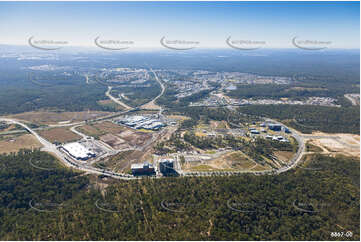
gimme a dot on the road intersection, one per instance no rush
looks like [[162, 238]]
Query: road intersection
[[67, 161]]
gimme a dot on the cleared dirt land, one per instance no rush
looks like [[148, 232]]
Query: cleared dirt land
[[219, 125], [232, 161], [13, 143], [58, 117], [135, 138], [346, 144], [98, 129], [61, 134], [118, 137], [151, 105], [114, 141], [284, 156]]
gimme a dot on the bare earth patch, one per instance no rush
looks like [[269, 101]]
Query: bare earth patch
[[346, 144], [102, 128], [177, 117], [284, 156], [114, 141], [14, 143], [58, 117], [231, 161], [219, 125], [151, 105], [234, 160], [135, 138], [61, 134]]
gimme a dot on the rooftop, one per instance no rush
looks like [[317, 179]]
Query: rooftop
[[78, 150]]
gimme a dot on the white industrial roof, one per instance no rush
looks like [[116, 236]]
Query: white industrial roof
[[166, 160], [137, 166], [136, 118], [154, 124], [140, 165], [77, 150]]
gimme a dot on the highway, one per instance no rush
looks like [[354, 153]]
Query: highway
[[354, 100], [116, 100], [49, 147], [161, 85], [90, 169], [152, 102]]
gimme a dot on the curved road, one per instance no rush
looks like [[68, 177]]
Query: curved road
[[49, 147], [84, 167], [115, 99], [152, 102]]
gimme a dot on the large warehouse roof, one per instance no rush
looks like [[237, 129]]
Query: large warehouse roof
[[77, 150]]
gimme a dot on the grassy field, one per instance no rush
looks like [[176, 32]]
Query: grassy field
[[239, 161], [284, 156], [312, 148], [61, 134], [207, 168], [233, 161], [260, 168], [13, 143], [99, 129], [58, 117]]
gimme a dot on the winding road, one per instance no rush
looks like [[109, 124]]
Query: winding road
[[151, 104], [116, 100], [49, 147]]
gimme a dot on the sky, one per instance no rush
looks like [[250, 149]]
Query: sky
[[209, 23]]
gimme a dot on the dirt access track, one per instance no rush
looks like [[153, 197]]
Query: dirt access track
[[346, 144]]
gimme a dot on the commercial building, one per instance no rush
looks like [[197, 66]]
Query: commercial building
[[141, 122], [279, 138], [287, 130], [254, 131], [275, 127], [154, 125], [78, 151], [166, 167], [142, 169], [133, 120]]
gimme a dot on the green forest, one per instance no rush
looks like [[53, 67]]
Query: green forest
[[311, 118], [137, 96], [58, 204]]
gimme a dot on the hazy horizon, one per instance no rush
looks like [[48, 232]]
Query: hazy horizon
[[207, 23]]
